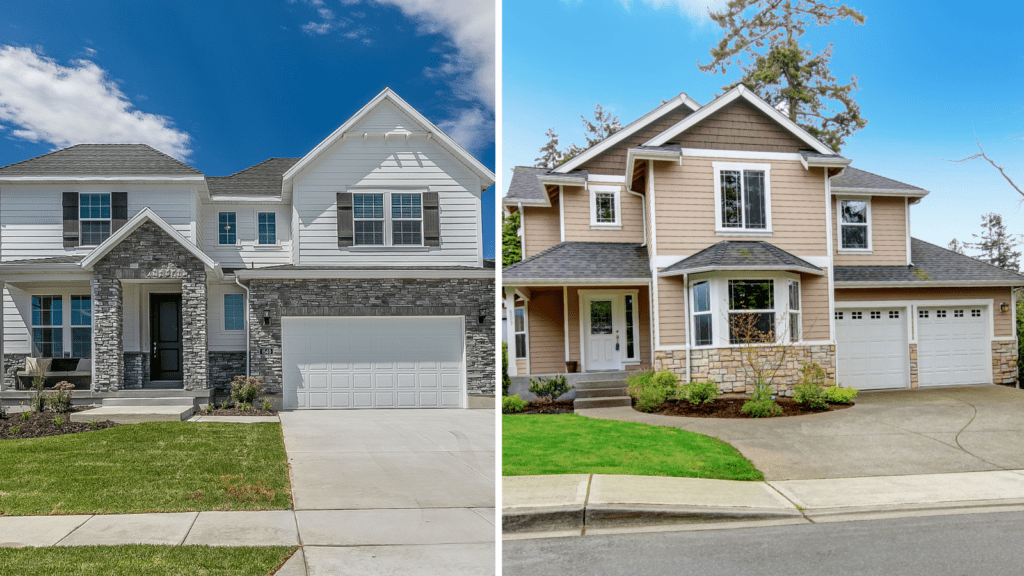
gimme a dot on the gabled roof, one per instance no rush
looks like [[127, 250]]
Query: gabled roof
[[854, 180], [147, 215], [933, 266], [101, 160], [527, 185], [263, 179], [575, 262], [680, 100], [486, 176], [717, 104], [744, 255]]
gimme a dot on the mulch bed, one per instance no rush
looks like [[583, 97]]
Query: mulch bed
[[730, 408], [559, 407], [40, 424], [236, 412]]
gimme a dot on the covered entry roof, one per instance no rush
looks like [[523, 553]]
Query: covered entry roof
[[582, 262], [729, 255]]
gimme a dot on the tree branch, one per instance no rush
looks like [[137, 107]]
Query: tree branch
[[994, 165]]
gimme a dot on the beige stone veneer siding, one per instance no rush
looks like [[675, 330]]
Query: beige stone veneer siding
[[725, 366], [1004, 362]]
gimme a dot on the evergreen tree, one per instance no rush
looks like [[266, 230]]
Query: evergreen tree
[[603, 126], [956, 246], [762, 38], [996, 245], [511, 246], [550, 156]]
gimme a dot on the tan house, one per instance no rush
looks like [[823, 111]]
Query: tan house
[[638, 252]]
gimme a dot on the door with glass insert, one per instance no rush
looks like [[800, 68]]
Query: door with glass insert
[[605, 337]]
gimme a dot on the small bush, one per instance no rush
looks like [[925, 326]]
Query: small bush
[[650, 389], [266, 405], [244, 406], [505, 380], [15, 430], [38, 400], [549, 389], [246, 390], [25, 416], [762, 392], [59, 420], [810, 395], [209, 408], [513, 404], [761, 408], [60, 399], [838, 395], [700, 392]]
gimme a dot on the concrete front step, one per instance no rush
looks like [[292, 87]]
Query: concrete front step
[[618, 391], [583, 403], [169, 401], [599, 384], [134, 414]]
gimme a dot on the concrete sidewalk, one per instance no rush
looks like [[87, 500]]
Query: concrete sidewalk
[[572, 502]]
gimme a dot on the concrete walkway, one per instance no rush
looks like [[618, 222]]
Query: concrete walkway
[[572, 502], [887, 433]]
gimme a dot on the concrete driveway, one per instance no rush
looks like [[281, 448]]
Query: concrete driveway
[[392, 491], [889, 433]]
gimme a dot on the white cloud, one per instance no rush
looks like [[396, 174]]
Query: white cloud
[[43, 101], [473, 129], [318, 28], [694, 9]]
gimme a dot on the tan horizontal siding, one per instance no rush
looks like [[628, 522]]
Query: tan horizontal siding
[[547, 339], [685, 198], [542, 229], [888, 234], [644, 329], [573, 302], [814, 306], [521, 367], [1003, 321], [672, 311], [740, 126], [577, 218], [613, 160]]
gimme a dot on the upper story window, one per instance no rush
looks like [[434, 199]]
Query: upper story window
[[368, 219], [267, 228], [94, 218], [402, 225], [226, 227], [234, 312], [855, 225], [605, 206], [742, 198], [406, 219]]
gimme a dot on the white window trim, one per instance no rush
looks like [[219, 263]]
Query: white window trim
[[219, 243], [617, 191], [388, 226], [390, 220], [635, 358], [109, 221], [798, 311], [721, 230], [67, 340], [224, 315], [256, 222], [710, 313], [719, 283], [525, 332], [839, 222]]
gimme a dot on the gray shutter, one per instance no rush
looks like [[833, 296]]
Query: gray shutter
[[345, 235], [431, 220], [118, 210], [70, 204]]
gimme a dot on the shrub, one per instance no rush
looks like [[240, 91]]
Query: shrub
[[761, 408], [246, 390], [700, 392], [15, 430], [505, 380], [244, 406], [209, 408], [838, 395], [3, 411], [512, 404], [650, 389], [266, 405], [25, 416], [811, 395], [38, 400], [59, 420], [762, 392], [548, 389], [812, 374], [60, 399]]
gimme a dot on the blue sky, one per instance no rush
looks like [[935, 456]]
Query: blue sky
[[226, 85], [931, 75]]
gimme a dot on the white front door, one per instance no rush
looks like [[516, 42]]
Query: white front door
[[604, 323]]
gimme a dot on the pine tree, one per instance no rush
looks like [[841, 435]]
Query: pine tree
[[956, 246], [511, 246], [762, 38], [550, 156], [996, 245], [603, 126]]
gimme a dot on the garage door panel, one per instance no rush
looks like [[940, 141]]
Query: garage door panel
[[953, 346], [872, 348], [373, 362]]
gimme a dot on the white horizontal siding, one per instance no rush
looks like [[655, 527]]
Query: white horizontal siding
[[386, 119], [221, 340], [16, 321], [246, 252]]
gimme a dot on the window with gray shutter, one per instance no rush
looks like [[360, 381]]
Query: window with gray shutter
[[70, 205], [118, 210], [344, 219], [431, 220]]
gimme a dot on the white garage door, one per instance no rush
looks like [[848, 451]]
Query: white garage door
[[953, 346], [362, 362], [872, 348]]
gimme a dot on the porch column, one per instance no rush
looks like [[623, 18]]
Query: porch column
[[510, 329], [194, 336], [108, 329]]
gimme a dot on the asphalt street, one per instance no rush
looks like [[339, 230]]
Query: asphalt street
[[968, 544]]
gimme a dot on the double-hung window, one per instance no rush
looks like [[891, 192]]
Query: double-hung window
[[234, 312], [751, 311], [267, 228], [47, 326], [794, 311], [520, 331], [401, 225], [743, 198], [855, 225], [406, 219], [81, 326], [227, 228], [605, 210], [702, 332], [368, 219], [94, 218]]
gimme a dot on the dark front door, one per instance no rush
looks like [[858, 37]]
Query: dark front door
[[165, 335]]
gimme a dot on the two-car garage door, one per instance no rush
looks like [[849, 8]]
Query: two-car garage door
[[372, 362], [873, 347]]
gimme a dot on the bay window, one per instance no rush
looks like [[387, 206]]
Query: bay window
[[751, 311], [702, 320]]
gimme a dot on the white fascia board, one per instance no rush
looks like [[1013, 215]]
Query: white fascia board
[[681, 100], [586, 282], [837, 190], [720, 102], [927, 284], [555, 180], [740, 154], [797, 269], [198, 178], [256, 273], [243, 199], [486, 176], [144, 215], [65, 268], [824, 162], [614, 179], [517, 202]]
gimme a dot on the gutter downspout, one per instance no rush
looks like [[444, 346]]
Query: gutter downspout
[[248, 328], [643, 212], [686, 319]]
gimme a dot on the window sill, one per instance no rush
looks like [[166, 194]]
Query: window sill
[[266, 246], [606, 226], [388, 248], [862, 251], [742, 232]]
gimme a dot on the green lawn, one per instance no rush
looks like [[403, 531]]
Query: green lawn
[[571, 444], [139, 560], [152, 467]]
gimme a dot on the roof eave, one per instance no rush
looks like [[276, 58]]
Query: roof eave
[[506, 281], [699, 270], [840, 190], [257, 274], [196, 178], [506, 201], [925, 283], [825, 162]]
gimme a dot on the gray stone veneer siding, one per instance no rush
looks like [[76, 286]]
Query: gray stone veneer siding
[[13, 363], [224, 366], [136, 369], [158, 257], [374, 297]]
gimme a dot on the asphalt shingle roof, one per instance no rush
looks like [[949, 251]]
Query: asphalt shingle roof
[[263, 179], [52, 260], [583, 261], [525, 186], [744, 255], [101, 160], [814, 155], [931, 264], [857, 178]]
